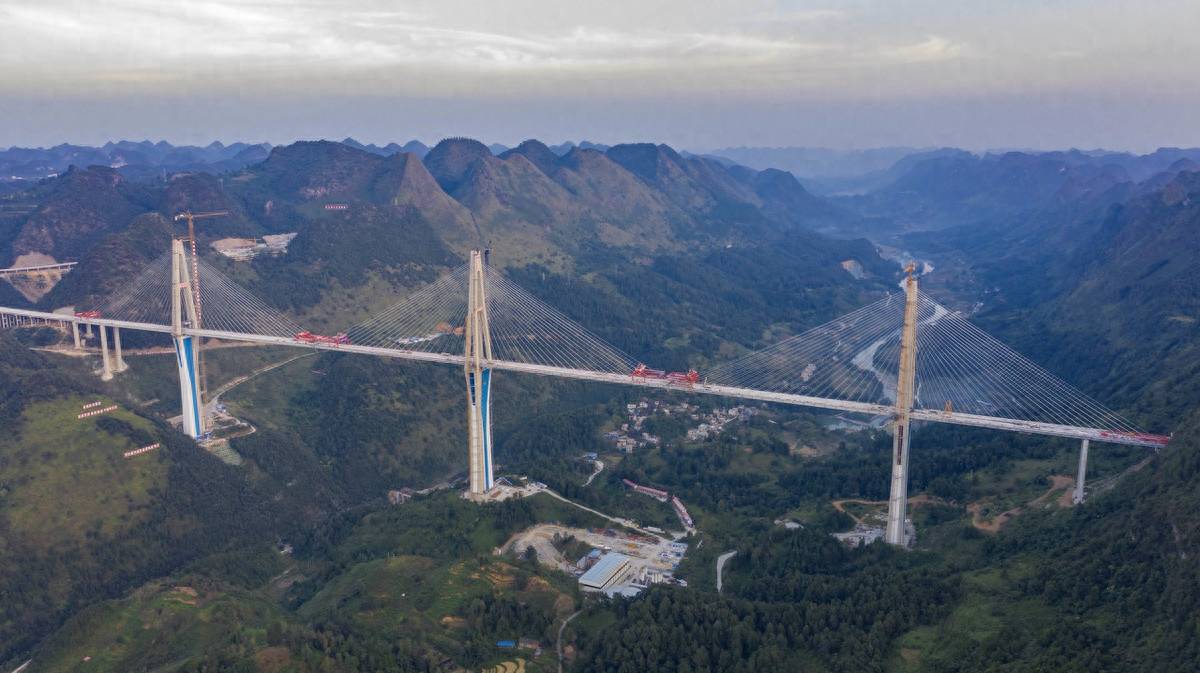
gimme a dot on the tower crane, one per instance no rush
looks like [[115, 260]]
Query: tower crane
[[191, 238]]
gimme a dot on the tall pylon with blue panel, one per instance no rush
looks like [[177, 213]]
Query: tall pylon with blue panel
[[478, 371]]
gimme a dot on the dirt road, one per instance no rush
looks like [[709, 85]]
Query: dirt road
[[721, 566], [1057, 482]]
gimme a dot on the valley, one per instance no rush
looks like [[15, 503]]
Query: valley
[[296, 558]]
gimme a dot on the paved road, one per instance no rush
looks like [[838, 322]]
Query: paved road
[[230, 385], [721, 566], [214, 397], [624, 522], [560, 632]]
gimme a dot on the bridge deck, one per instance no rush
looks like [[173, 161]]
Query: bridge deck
[[935, 416], [17, 270]]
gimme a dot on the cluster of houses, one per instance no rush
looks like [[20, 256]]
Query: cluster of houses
[[631, 435], [713, 423]]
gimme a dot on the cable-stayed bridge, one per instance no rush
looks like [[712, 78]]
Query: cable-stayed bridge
[[904, 356]]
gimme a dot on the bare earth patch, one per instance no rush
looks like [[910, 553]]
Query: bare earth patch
[[1057, 482], [272, 659]]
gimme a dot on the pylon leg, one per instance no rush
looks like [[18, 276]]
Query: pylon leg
[[106, 372], [479, 426], [898, 500], [189, 390], [1077, 496]]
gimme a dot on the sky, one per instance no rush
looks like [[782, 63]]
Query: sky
[[695, 74]]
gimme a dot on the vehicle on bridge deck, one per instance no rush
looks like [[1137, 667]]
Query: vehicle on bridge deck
[[310, 338], [87, 314]]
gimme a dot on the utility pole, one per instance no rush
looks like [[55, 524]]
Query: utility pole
[[197, 320], [898, 500], [477, 368]]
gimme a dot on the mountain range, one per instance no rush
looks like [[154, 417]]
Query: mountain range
[[1084, 261]]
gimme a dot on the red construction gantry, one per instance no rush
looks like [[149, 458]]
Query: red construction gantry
[[643, 372], [1157, 440], [335, 340], [691, 378], [688, 378]]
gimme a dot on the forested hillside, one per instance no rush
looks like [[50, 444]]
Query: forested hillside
[[291, 561], [81, 523]]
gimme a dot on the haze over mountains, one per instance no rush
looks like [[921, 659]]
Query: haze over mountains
[[146, 159]]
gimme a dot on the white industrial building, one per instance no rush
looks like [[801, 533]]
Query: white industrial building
[[607, 570]]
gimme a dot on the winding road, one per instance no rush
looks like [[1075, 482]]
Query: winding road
[[599, 469], [562, 628], [721, 566]]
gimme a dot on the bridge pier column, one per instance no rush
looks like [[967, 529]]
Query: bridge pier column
[[89, 330], [75, 335], [1077, 496], [120, 364], [106, 373]]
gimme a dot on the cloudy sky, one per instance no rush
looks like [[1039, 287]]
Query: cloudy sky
[[694, 73]]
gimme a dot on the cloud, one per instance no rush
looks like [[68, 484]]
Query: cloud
[[208, 35], [931, 49], [772, 49]]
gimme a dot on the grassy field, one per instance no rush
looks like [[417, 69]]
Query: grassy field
[[66, 478], [160, 622]]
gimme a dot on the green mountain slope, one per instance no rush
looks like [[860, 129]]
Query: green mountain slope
[[81, 522]]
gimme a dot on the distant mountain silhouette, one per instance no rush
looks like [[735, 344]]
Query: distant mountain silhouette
[[529, 202], [132, 159]]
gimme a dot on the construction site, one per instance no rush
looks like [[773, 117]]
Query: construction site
[[615, 562]]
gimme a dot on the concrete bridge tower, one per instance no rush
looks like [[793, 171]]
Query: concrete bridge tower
[[183, 311], [477, 367], [898, 500]]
